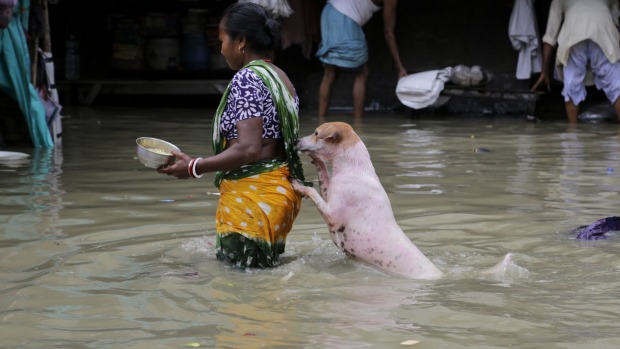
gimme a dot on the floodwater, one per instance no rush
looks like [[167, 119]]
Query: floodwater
[[97, 251]]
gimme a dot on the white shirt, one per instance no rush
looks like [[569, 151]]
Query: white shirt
[[596, 20], [360, 11]]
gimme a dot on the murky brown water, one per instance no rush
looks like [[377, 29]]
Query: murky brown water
[[97, 251]]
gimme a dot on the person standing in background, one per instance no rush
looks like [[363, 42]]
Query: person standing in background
[[588, 50], [343, 46], [6, 12]]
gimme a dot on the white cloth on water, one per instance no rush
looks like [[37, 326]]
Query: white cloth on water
[[422, 90], [523, 34]]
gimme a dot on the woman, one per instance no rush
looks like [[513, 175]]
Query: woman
[[254, 130]]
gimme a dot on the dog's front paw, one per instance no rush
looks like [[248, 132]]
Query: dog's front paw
[[298, 186], [315, 158]]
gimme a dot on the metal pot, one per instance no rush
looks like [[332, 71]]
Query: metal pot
[[154, 153]]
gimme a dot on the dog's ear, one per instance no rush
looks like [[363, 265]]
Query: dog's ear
[[330, 133], [334, 136]]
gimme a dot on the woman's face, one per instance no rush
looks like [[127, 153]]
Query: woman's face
[[231, 49]]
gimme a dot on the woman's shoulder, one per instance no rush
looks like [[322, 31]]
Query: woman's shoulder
[[246, 76]]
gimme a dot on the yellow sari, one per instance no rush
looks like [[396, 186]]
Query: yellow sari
[[257, 205], [254, 216]]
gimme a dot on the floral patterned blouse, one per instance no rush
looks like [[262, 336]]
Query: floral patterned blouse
[[249, 98]]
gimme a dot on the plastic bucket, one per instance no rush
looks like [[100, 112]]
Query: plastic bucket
[[195, 53], [194, 22]]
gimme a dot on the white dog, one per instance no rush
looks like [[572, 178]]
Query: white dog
[[355, 206]]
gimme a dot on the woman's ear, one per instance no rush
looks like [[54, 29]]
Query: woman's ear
[[242, 44]]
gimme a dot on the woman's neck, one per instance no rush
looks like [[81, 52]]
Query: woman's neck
[[254, 57]]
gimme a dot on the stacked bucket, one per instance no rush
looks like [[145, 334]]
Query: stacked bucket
[[194, 51]]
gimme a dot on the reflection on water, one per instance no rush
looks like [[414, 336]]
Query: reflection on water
[[98, 251], [32, 200]]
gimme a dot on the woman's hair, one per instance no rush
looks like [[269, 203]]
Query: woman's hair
[[253, 22]]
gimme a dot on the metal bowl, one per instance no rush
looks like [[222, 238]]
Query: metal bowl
[[154, 153]]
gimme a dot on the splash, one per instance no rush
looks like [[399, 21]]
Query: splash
[[506, 269], [202, 245]]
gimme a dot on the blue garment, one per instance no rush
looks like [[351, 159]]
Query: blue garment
[[15, 76], [343, 42], [606, 74], [598, 229]]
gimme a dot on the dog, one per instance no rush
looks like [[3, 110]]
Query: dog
[[355, 205]]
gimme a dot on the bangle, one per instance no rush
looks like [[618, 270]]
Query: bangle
[[194, 173], [190, 166]]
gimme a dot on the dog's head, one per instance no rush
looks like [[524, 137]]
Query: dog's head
[[328, 140]]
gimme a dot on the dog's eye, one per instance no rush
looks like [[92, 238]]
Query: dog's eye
[[316, 133]]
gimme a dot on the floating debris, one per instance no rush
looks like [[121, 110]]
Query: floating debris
[[193, 275], [288, 276], [410, 342], [598, 229]]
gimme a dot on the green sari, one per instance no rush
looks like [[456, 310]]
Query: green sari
[[289, 124]]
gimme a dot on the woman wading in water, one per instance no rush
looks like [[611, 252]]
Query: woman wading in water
[[254, 130]]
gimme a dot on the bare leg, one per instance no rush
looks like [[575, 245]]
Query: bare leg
[[617, 108], [572, 111], [359, 92], [325, 90]]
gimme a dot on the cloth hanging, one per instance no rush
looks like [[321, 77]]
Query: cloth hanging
[[15, 76], [49, 97], [302, 27], [523, 34]]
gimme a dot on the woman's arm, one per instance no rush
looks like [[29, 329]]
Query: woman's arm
[[246, 149]]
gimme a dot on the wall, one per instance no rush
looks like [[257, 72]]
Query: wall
[[432, 34]]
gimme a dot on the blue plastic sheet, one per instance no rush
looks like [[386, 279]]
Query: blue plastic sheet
[[15, 75]]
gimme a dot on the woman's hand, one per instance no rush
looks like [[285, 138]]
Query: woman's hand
[[179, 167]]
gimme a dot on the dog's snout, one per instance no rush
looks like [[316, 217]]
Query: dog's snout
[[300, 146]]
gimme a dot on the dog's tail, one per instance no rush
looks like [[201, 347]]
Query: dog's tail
[[505, 268]]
